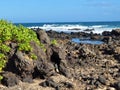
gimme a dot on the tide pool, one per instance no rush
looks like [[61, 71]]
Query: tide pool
[[86, 41]]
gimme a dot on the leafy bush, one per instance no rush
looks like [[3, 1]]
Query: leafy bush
[[33, 56], [20, 35], [2, 63], [54, 42]]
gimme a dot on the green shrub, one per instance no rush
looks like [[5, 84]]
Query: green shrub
[[2, 61], [33, 56], [20, 35], [54, 42]]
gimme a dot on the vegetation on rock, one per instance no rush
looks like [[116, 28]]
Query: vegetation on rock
[[54, 42], [22, 36]]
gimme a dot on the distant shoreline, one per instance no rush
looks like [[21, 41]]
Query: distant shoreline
[[96, 27], [67, 22]]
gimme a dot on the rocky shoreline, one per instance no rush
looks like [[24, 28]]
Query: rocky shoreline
[[66, 65]]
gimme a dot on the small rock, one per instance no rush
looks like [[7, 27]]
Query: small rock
[[106, 33], [43, 37], [111, 88], [9, 79], [27, 79], [64, 69], [116, 32], [117, 85], [49, 83], [102, 80], [45, 69], [22, 66], [38, 51], [107, 39], [97, 83], [67, 84]]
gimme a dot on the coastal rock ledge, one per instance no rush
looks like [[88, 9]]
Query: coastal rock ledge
[[64, 65]]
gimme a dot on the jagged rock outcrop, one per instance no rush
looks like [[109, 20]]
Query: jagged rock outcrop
[[24, 66], [116, 32], [69, 66], [10, 79], [43, 37]]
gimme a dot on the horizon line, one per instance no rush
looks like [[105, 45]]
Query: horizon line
[[65, 22]]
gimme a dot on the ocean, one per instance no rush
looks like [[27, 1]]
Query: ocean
[[96, 27]]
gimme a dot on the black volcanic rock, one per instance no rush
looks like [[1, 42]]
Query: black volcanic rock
[[106, 33], [44, 69], [10, 79], [43, 37], [102, 80], [24, 66], [116, 32], [107, 39]]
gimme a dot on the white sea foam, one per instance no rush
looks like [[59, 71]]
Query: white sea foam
[[74, 28], [99, 26]]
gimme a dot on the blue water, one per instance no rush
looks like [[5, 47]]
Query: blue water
[[86, 41], [68, 27], [98, 27], [107, 24]]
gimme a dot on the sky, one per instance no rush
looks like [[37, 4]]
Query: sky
[[59, 10]]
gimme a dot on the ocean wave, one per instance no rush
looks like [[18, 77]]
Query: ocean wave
[[99, 26], [74, 28]]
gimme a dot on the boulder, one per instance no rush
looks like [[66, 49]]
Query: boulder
[[49, 83], [58, 82], [107, 39], [96, 37], [85, 52], [10, 79], [102, 80], [106, 33], [89, 30], [117, 50], [63, 69], [43, 37], [116, 32], [24, 66], [45, 69], [58, 51], [38, 51], [58, 58], [117, 85], [117, 57]]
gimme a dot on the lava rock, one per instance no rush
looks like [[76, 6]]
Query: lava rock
[[45, 69], [106, 33], [117, 85], [63, 69], [43, 37], [85, 52], [57, 85], [96, 37], [107, 39], [49, 83], [23, 66], [102, 80], [117, 57], [10, 79], [38, 51], [67, 84], [116, 32]]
